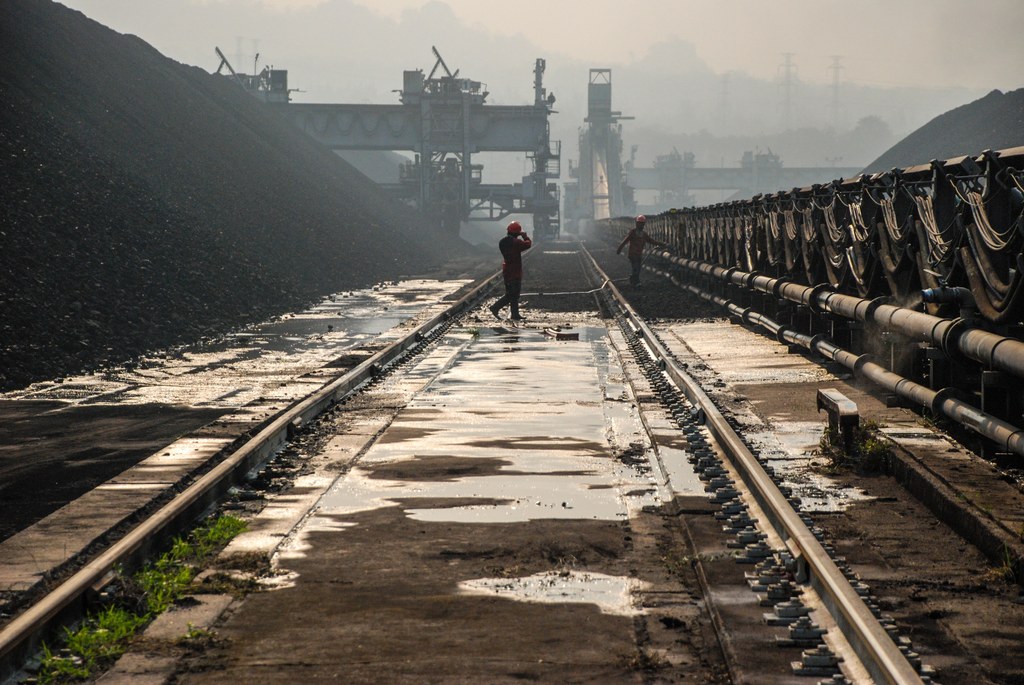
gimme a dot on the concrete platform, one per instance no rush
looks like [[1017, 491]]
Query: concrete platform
[[498, 517], [942, 584], [80, 456], [774, 392]]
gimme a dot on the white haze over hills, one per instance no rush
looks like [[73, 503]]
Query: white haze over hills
[[342, 51]]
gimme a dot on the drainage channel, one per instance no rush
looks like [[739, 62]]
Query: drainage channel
[[67, 600], [789, 557]]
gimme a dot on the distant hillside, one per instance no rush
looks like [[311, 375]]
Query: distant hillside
[[148, 203], [995, 122]]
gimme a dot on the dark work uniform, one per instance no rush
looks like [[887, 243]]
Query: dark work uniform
[[512, 247], [637, 240]]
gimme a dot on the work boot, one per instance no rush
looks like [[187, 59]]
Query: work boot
[[494, 313]]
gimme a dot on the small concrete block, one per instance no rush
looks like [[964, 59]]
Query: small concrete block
[[200, 611], [140, 669]]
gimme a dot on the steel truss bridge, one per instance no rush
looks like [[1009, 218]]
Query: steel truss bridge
[[444, 120], [676, 177]]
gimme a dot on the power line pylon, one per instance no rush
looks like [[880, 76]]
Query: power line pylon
[[835, 68], [788, 73]]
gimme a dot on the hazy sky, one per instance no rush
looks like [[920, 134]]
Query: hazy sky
[[683, 68], [975, 43], [932, 43]]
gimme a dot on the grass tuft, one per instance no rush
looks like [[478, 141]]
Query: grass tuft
[[869, 450], [1005, 570], [105, 634]]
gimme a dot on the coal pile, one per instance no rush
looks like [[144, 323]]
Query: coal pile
[[147, 203], [995, 122]]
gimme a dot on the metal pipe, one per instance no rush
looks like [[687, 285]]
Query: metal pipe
[[942, 402], [954, 336], [962, 297]]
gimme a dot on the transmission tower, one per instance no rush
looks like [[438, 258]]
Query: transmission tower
[[724, 106], [835, 69], [788, 75]]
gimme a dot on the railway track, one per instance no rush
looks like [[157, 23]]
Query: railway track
[[800, 595], [42, 605], [741, 485]]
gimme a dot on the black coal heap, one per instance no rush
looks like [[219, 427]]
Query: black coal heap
[[147, 203], [995, 122]]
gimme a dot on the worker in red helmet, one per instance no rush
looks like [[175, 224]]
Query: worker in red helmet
[[638, 240], [512, 247]]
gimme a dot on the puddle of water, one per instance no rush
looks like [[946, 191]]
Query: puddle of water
[[789, 449], [681, 477], [503, 498], [611, 594], [541, 412], [247, 365]]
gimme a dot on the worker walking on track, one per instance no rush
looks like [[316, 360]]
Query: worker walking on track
[[512, 247], [637, 239]]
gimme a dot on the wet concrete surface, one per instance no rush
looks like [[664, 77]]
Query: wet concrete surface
[[506, 397], [52, 453], [940, 588], [239, 368], [496, 521], [488, 535], [497, 514]]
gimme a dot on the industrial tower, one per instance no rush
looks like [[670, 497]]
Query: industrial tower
[[601, 190]]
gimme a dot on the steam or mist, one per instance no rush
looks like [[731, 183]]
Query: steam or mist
[[703, 76]]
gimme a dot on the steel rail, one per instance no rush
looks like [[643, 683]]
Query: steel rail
[[873, 645], [21, 634], [954, 336]]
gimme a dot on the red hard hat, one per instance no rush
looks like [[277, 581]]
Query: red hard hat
[[514, 227], [641, 219]]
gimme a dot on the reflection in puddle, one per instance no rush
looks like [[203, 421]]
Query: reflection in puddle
[[611, 594], [543, 417], [259, 361], [789, 448], [503, 498]]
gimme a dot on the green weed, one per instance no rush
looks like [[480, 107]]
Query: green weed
[[63, 667], [1005, 569], [105, 634], [868, 451], [161, 585], [197, 639], [97, 641]]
